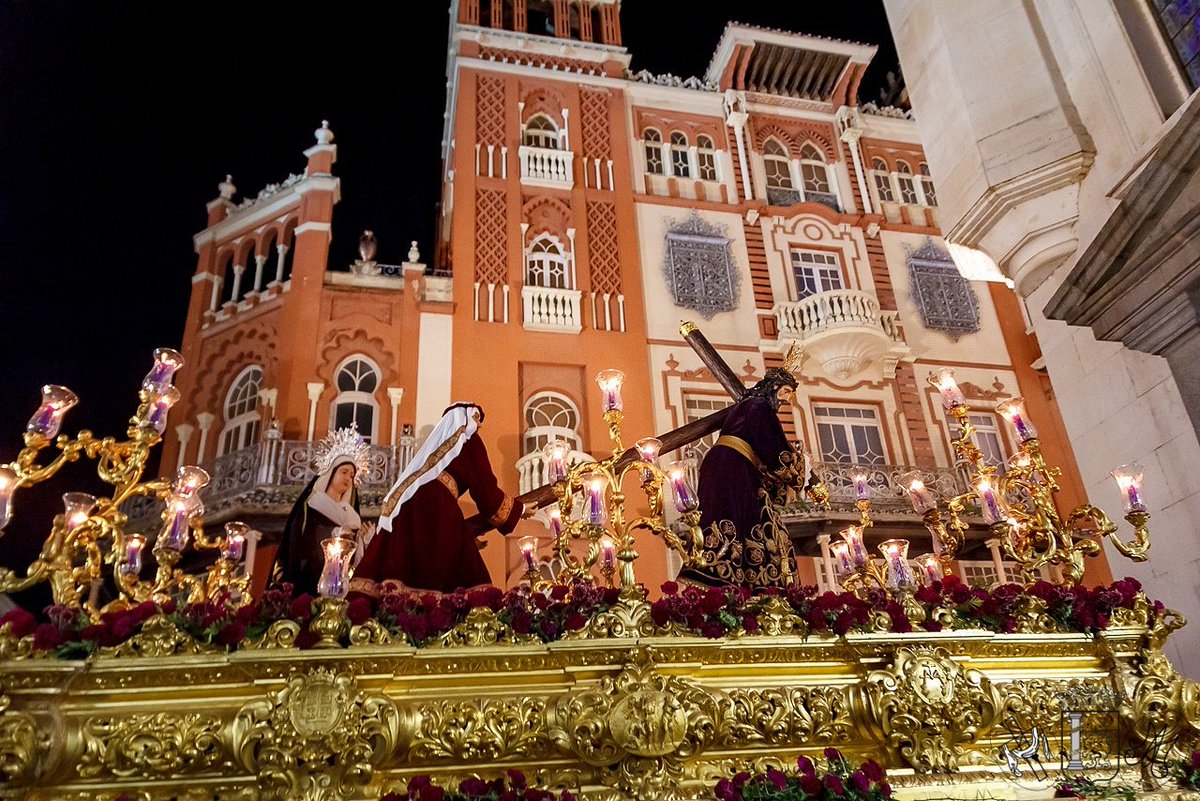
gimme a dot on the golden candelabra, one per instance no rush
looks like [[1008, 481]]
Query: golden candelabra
[[1019, 504], [600, 483], [93, 531]]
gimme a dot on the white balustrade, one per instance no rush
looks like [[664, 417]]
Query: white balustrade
[[541, 166], [549, 309], [825, 310], [533, 469]]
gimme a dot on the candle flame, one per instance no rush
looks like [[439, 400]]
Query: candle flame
[[916, 485]]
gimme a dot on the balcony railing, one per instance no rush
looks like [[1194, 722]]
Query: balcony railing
[[825, 310], [549, 309], [843, 329], [789, 197], [533, 469], [888, 490], [542, 166]]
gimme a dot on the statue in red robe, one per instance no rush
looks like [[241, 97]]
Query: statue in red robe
[[423, 541]]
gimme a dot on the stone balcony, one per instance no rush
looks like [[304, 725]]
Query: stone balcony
[[844, 330], [546, 167], [533, 469], [548, 309]]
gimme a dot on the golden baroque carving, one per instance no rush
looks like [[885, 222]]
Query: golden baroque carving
[[280, 634], [926, 705], [149, 745], [159, 637], [482, 729], [788, 715], [481, 627], [317, 739], [628, 618], [21, 746]]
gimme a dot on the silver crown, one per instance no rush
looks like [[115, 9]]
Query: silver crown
[[345, 443]]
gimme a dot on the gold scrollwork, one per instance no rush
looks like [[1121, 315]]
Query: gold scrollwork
[[926, 706], [149, 745], [317, 739], [20, 744], [481, 730], [159, 637]]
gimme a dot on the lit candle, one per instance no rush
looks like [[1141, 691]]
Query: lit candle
[[943, 379], [235, 541], [252, 538], [158, 404], [1016, 534], [557, 452], [854, 543], [608, 554], [1013, 410], [989, 504], [862, 489], [648, 448], [922, 499], [8, 485], [1129, 479], [556, 524], [841, 555], [681, 493], [595, 512], [333, 582], [77, 508], [528, 546], [166, 362], [175, 530], [610, 387], [895, 555], [56, 400], [131, 565], [189, 480], [931, 568]]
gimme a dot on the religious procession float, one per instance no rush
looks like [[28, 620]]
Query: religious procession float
[[342, 682]]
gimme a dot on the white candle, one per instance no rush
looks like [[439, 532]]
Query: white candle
[[854, 542], [922, 499], [1129, 479], [607, 552], [252, 538], [989, 504]]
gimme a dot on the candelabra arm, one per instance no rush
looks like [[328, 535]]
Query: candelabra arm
[[1137, 548]]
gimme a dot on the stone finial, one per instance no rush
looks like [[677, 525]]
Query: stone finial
[[226, 188], [367, 246], [414, 255], [323, 134]]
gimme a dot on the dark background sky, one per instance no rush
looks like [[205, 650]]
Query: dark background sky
[[118, 119]]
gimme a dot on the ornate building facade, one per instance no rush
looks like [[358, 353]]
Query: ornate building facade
[[586, 211], [1096, 225]]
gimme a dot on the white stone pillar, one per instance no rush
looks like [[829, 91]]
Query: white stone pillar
[[315, 388], [395, 394], [282, 250], [997, 558], [259, 261], [216, 293], [827, 560], [571, 283], [184, 432], [238, 271], [205, 421]]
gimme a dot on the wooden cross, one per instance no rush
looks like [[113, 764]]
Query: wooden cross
[[672, 440]]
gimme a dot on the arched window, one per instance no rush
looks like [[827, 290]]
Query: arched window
[[812, 170], [541, 132], [679, 155], [883, 181], [546, 265], [242, 420], [904, 182], [778, 165], [355, 405], [927, 185], [550, 416], [652, 140], [706, 158]]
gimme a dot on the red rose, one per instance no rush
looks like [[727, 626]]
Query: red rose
[[124, 628], [805, 766], [660, 613], [575, 621], [473, 786], [305, 639], [811, 785], [713, 630], [670, 587], [725, 791], [46, 637], [860, 781], [1195, 755], [834, 783], [232, 634], [359, 610], [301, 610], [750, 624], [833, 755], [872, 770], [22, 622], [516, 778], [777, 778]]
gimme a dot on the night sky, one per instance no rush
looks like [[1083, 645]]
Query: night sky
[[118, 120]]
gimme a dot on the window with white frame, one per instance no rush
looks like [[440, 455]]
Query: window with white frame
[[815, 271], [242, 419], [652, 144], [706, 158], [813, 174], [904, 182], [546, 265], [679, 155], [777, 165], [849, 434], [987, 437], [541, 132], [883, 181], [550, 416], [696, 406], [926, 183], [355, 405]]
